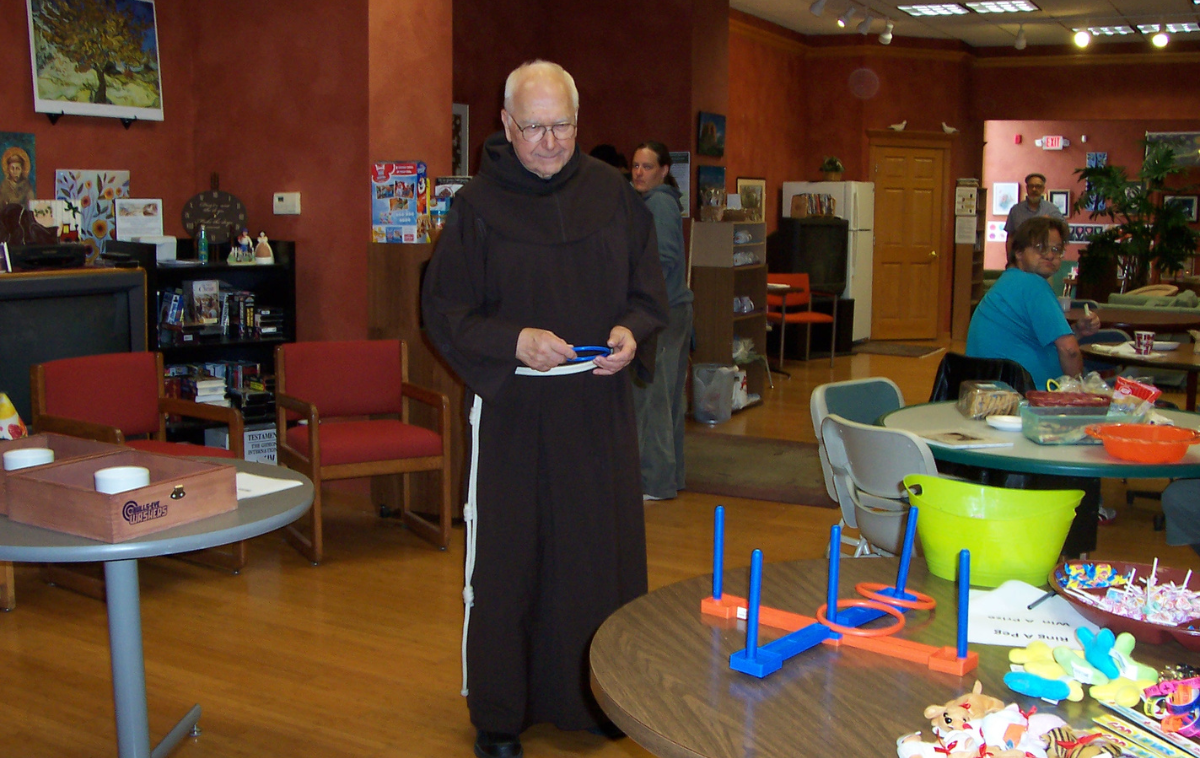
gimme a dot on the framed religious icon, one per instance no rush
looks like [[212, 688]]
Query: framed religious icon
[[752, 192]]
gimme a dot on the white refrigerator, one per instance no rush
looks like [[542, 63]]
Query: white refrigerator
[[855, 202]]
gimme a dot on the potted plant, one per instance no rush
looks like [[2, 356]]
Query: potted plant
[[1148, 235], [832, 168]]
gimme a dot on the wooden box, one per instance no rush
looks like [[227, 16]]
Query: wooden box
[[65, 448], [63, 496]]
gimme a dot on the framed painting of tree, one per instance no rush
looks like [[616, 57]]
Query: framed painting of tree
[[95, 58]]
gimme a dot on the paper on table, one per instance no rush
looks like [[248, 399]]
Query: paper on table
[[253, 485], [1127, 349], [1002, 617]]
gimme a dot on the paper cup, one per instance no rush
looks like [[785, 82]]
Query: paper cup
[[26, 457], [1143, 342], [121, 478]]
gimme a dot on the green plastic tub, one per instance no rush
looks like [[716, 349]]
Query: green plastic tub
[[1012, 534]]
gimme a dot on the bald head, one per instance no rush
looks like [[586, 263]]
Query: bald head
[[541, 106]]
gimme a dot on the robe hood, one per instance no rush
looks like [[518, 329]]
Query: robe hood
[[664, 189], [563, 208]]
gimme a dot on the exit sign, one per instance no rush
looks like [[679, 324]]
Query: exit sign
[[1052, 143]]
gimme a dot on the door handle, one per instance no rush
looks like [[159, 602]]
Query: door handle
[[933, 253]]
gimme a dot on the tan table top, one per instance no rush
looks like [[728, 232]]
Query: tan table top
[[1112, 316], [661, 672]]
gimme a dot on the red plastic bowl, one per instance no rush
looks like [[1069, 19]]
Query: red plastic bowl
[[1142, 631], [1144, 443]]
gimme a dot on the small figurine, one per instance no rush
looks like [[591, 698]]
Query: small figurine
[[245, 246], [263, 254]]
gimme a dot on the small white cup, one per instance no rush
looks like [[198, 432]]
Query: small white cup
[[26, 457], [121, 478]]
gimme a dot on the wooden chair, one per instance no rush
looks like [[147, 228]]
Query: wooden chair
[[797, 296], [120, 398], [350, 400]]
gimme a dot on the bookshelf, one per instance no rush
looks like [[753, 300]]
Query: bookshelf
[[717, 283], [968, 271]]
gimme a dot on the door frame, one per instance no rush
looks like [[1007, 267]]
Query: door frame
[[932, 141]]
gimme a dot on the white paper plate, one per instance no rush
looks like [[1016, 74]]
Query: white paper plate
[[1004, 423], [1163, 346]]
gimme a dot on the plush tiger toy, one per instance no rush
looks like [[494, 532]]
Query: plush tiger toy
[[1065, 742]]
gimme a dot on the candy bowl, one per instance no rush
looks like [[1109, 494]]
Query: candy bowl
[[1186, 633]]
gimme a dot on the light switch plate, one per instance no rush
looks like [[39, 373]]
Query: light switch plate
[[287, 203]]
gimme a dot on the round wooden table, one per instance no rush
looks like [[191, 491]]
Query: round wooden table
[[1184, 358], [661, 672]]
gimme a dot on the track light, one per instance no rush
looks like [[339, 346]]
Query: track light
[[1021, 41], [1161, 39], [818, 7], [865, 27], [844, 21], [886, 37], [1082, 38]]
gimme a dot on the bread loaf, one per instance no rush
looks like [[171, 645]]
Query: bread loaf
[[980, 399]]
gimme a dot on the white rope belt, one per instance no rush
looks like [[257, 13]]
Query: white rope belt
[[470, 508]]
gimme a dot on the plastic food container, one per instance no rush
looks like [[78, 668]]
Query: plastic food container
[[1144, 443], [1012, 534], [1064, 425], [980, 399]]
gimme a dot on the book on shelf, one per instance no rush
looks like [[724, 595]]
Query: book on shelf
[[204, 300], [963, 440]]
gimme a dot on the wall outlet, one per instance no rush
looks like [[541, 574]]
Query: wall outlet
[[287, 203]]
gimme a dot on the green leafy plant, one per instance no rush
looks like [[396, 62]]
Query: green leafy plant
[[831, 165], [1147, 233]]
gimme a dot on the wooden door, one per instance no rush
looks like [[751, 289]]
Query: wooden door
[[909, 187]]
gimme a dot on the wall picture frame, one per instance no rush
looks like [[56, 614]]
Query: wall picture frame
[[753, 192], [1061, 199], [83, 68], [710, 135], [1186, 202], [1004, 196]]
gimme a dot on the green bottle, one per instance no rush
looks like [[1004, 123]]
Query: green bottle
[[202, 245]]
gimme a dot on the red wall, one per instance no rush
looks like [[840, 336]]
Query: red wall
[[1006, 161], [271, 95]]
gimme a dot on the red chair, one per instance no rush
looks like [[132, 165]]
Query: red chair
[[783, 309], [120, 398], [353, 399]]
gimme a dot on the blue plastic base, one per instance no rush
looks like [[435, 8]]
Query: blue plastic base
[[764, 662]]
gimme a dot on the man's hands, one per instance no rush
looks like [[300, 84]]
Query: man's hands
[[542, 350], [624, 347]]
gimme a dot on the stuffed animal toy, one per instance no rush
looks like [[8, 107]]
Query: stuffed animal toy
[[1064, 742], [975, 725]]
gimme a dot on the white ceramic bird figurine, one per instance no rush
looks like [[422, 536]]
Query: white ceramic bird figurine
[[948, 129], [899, 127]]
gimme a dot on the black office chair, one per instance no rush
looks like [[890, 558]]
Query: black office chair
[[956, 369]]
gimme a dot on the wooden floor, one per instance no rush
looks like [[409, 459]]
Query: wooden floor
[[360, 656]]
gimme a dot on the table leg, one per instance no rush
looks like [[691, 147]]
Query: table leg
[[1191, 390], [128, 665]]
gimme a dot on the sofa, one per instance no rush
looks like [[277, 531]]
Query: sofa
[[1184, 301]]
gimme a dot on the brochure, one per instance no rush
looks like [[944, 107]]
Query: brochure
[[964, 440]]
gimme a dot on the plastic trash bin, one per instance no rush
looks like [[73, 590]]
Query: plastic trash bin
[[712, 392]]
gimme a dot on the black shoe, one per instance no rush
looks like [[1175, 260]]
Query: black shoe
[[608, 730], [497, 745]]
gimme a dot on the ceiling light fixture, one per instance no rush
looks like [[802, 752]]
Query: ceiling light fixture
[[865, 27], [886, 37], [1021, 41], [844, 21], [1160, 40], [1082, 38], [818, 7]]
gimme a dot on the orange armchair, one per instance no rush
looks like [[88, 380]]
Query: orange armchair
[[120, 398], [784, 308], [352, 399]]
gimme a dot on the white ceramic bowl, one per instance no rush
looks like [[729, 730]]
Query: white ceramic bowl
[[1164, 346], [27, 456], [1004, 423]]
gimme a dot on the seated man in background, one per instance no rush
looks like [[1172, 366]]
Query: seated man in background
[[1020, 317]]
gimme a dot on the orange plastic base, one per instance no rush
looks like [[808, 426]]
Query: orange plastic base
[[944, 660]]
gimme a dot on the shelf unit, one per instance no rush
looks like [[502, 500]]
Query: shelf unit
[[718, 283], [968, 271], [273, 286]]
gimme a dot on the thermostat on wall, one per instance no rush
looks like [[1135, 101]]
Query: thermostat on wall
[[287, 203]]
